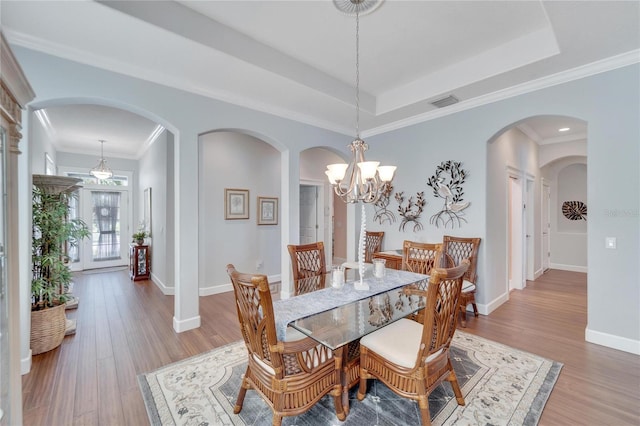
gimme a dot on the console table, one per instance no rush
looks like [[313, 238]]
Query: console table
[[139, 262]]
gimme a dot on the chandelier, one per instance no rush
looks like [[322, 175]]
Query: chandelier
[[360, 180], [101, 171]]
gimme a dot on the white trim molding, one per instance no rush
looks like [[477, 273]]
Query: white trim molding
[[611, 341], [486, 309], [186, 325], [572, 268], [224, 288], [25, 364], [166, 290]]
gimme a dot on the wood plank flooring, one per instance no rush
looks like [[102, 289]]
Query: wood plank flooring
[[125, 328]]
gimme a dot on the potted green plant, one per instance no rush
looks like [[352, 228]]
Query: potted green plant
[[139, 236], [52, 234]]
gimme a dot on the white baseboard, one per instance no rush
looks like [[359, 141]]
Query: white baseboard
[[167, 291], [493, 305], [185, 325], [208, 291], [537, 274], [611, 341], [25, 364], [572, 268]]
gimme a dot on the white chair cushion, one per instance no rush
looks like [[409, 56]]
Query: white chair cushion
[[265, 366], [468, 286], [398, 342]]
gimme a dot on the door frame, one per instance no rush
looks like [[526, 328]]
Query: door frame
[[520, 266], [128, 198], [546, 226], [324, 208]]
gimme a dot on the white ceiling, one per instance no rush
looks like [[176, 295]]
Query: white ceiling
[[296, 59]]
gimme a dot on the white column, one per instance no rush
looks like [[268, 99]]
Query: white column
[[290, 214], [186, 306]]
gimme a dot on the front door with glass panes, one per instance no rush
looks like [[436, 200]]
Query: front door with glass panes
[[104, 207], [105, 212]]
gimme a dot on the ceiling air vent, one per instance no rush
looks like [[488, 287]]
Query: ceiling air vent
[[449, 100]]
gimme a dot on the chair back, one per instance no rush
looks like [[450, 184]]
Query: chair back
[[460, 248], [372, 244], [308, 267], [440, 312], [255, 313], [419, 257]]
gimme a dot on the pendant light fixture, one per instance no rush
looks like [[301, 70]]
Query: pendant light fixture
[[101, 171], [360, 180], [365, 180]]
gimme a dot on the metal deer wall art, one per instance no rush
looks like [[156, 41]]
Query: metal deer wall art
[[446, 184]]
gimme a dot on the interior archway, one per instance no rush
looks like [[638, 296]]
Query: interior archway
[[519, 153]]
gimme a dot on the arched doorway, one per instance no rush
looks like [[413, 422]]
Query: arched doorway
[[516, 184]]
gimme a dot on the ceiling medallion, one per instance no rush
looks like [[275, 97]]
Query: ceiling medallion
[[364, 7]]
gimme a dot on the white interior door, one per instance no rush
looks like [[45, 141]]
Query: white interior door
[[308, 214], [106, 213], [516, 234], [529, 226], [546, 226]]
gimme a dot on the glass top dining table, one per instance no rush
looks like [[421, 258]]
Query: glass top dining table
[[335, 317]]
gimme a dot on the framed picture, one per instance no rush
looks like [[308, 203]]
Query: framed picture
[[49, 167], [147, 210], [236, 204], [267, 211]]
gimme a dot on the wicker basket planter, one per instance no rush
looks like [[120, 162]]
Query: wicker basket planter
[[47, 329]]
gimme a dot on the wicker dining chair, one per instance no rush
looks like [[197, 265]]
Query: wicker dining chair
[[460, 248], [412, 359], [419, 257], [291, 376], [308, 266], [372, 244]]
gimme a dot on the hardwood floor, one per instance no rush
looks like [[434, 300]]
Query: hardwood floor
[[125, 328]]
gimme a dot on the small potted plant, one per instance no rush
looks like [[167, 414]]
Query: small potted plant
[[140, 235]]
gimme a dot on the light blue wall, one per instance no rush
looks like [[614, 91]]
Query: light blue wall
[[238, 161], [153, 172], [57, 81], [608, 102]]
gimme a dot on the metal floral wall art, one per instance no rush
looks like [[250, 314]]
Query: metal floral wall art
[[411, 212], [574, 210], [383, 214], [446, 183]]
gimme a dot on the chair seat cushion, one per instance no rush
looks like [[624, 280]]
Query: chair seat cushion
[[398, 342], [468, 286]]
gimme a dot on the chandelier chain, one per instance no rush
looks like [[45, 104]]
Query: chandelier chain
[[358, 71]]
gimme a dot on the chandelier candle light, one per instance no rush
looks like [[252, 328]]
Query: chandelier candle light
[[365, 180], [101, 171]]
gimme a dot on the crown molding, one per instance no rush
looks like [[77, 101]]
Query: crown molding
[[13, 76], [598, 67]]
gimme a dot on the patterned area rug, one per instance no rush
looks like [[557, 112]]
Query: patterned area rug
[[501, 386]]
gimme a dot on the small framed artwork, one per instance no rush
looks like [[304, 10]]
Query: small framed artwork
[[49, 167], [267, 211], [147, 210], [236, 204]]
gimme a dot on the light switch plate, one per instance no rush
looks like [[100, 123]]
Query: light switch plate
[[610, 242]]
